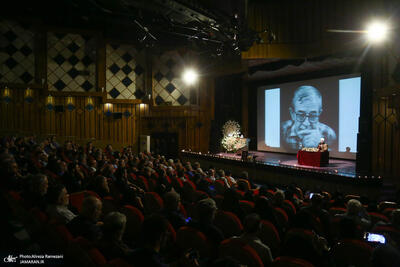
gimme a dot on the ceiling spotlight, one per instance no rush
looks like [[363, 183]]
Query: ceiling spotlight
[[377, 31], [190, 76]]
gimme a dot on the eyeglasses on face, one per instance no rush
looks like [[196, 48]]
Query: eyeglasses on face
[[301, 117]]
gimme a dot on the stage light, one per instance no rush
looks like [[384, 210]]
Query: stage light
[[190, 76], [377, 32]]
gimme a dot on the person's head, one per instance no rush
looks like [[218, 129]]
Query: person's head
[[221, 173], [206, 209], [306, 107], [278, 198], [322, 140], [353, 207], [252, 223], [91, 208], [39, 184], [316, 200], [114, 225], [154, 230], [58, 195], [172, 200]]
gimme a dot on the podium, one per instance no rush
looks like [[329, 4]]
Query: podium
[[315, 159]]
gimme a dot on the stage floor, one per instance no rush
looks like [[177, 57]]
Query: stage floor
[[338, 167]]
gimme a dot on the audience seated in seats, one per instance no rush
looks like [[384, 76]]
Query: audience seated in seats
[[86, 224], [171, 210], [206, 209], [231, 203], [35, 193], [58, 200], [23, 160], [251, 228], [111, 244], [356, 212]]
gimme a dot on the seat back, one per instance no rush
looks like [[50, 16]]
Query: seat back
[[134, 220], [228, 223], [240, 251], [269, 235], [247, 206], [191, 238], [152, 203]]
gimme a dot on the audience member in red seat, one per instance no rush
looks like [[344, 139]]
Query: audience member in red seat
[[393, 224], [99, 185], [58, 199], [35, 194], [357, 213], [171, 210], [86, 224], [251, 228], [111, 244], [318, 213], [279, 197], [265, 210], [206, 209], [221, 176], [231, 203], [308, 246], [73, 178], [155, 235], [231, 181]]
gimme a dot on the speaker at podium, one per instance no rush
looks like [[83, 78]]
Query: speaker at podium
[[144, 143]]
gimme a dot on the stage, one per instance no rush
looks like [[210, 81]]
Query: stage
[[339, 167], [280, 168]]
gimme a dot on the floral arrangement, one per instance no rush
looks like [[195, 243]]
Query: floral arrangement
[[232, 139]]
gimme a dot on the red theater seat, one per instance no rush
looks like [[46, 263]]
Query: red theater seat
[[152, 202], [228, 223], [240, 251], [247, 206], [269, 235], [191, 238], [134, 220]]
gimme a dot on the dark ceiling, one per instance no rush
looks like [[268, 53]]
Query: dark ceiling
[[217, 28]]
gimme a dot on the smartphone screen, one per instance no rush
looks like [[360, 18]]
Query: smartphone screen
[[371, 237]]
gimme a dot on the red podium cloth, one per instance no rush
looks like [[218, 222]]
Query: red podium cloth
[[316, 159]]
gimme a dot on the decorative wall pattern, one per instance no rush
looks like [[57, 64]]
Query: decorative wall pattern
[[168, 87], [71, 62], [17, 61], [125, 72]]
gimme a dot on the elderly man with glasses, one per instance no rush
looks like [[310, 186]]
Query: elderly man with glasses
[[304, 129]]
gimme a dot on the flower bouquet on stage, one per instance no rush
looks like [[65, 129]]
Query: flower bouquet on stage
[[233, 140]]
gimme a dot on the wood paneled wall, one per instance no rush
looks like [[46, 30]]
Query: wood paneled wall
[[81, 125]]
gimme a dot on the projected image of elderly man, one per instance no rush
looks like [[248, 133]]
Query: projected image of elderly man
[[304, 128]]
